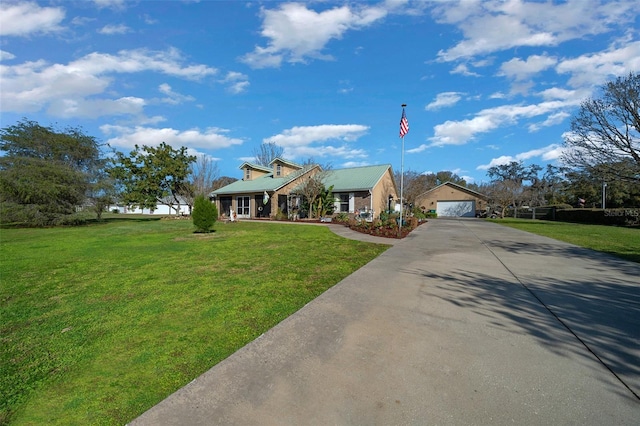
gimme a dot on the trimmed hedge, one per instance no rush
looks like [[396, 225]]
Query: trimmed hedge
[[619, 217]]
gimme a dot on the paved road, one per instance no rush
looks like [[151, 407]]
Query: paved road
[[464, 322]]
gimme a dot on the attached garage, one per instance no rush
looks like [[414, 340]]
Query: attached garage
[[464, 208]]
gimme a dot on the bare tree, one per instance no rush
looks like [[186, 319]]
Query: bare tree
[[267, 152], [605, 133], [223, 181], [312, 186], [414, 184], [203, 173], [418, 183]]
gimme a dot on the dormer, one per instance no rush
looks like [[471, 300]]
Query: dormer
[[252, 171], [281, 168]]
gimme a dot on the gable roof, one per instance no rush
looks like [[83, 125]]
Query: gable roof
[[267, 183], [355, 178], [255, 166], [286, 162], [456, 186]]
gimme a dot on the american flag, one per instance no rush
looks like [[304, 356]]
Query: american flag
[[404, 125]]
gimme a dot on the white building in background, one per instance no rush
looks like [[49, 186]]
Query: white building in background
[[167, 207]]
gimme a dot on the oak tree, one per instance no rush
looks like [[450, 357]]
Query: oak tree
[[605, 133], [46, 174], [151, 175]]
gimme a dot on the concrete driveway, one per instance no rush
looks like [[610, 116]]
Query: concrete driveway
[[464, 322]]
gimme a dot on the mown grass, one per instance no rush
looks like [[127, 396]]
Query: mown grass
[[618, 241], [99, 323]]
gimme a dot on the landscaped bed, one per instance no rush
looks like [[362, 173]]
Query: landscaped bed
[[99, 323]]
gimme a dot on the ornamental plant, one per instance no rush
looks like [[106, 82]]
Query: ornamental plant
[[204, 214]]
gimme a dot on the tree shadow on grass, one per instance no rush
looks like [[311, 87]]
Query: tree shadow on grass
[[627, 263]]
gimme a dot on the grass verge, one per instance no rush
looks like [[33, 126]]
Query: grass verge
[[618, 241], [99, 323]]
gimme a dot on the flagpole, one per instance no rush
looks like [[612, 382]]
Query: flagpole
[[402, 133]]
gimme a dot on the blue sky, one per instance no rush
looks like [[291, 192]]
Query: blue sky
[[485, 82]]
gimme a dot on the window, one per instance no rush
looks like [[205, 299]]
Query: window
[[344, 203], [243, 206], [278, 170], [247, 174]]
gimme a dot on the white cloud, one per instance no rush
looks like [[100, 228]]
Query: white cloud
[[128, 137], [114, 29], [296, 33], [350, 164], [110, 4], [236, 82], [173, 98], [445, 99], [494, 25], [595, 69], [93, 108], [552, 120], [5, 56], [33, 86], [463, 69], [149, 20], [81, 21], [518, 69], [346, 87], [460, 132], [547, 153], [23, 19], [308, 141], [422, 147]]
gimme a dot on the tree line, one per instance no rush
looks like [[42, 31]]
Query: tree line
[[48, 174]]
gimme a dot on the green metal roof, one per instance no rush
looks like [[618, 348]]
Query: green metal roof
[[263, 183], [355, 178], [255, 166], [351, 179]]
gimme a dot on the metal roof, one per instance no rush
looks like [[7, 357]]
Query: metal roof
[[266, 182], [342, 180], [355, 178]]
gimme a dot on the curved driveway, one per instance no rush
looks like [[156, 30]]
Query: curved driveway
[[463, 322]]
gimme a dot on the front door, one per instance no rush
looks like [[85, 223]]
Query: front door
[[243, 207]]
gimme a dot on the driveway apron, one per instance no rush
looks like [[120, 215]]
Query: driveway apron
[[462, 322]]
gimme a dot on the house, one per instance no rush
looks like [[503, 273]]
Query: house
[[452, 200], [265, 191], [166, 206]]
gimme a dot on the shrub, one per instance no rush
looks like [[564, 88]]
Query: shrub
[[342, 217], [560, 206], [419, 213], [204, 214]]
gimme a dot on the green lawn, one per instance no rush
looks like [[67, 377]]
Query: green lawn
[[99, 323], [618, 241]]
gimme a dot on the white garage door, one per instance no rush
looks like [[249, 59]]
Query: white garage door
[[456, 209]]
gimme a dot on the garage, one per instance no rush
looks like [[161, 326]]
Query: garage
[[464, 208]]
